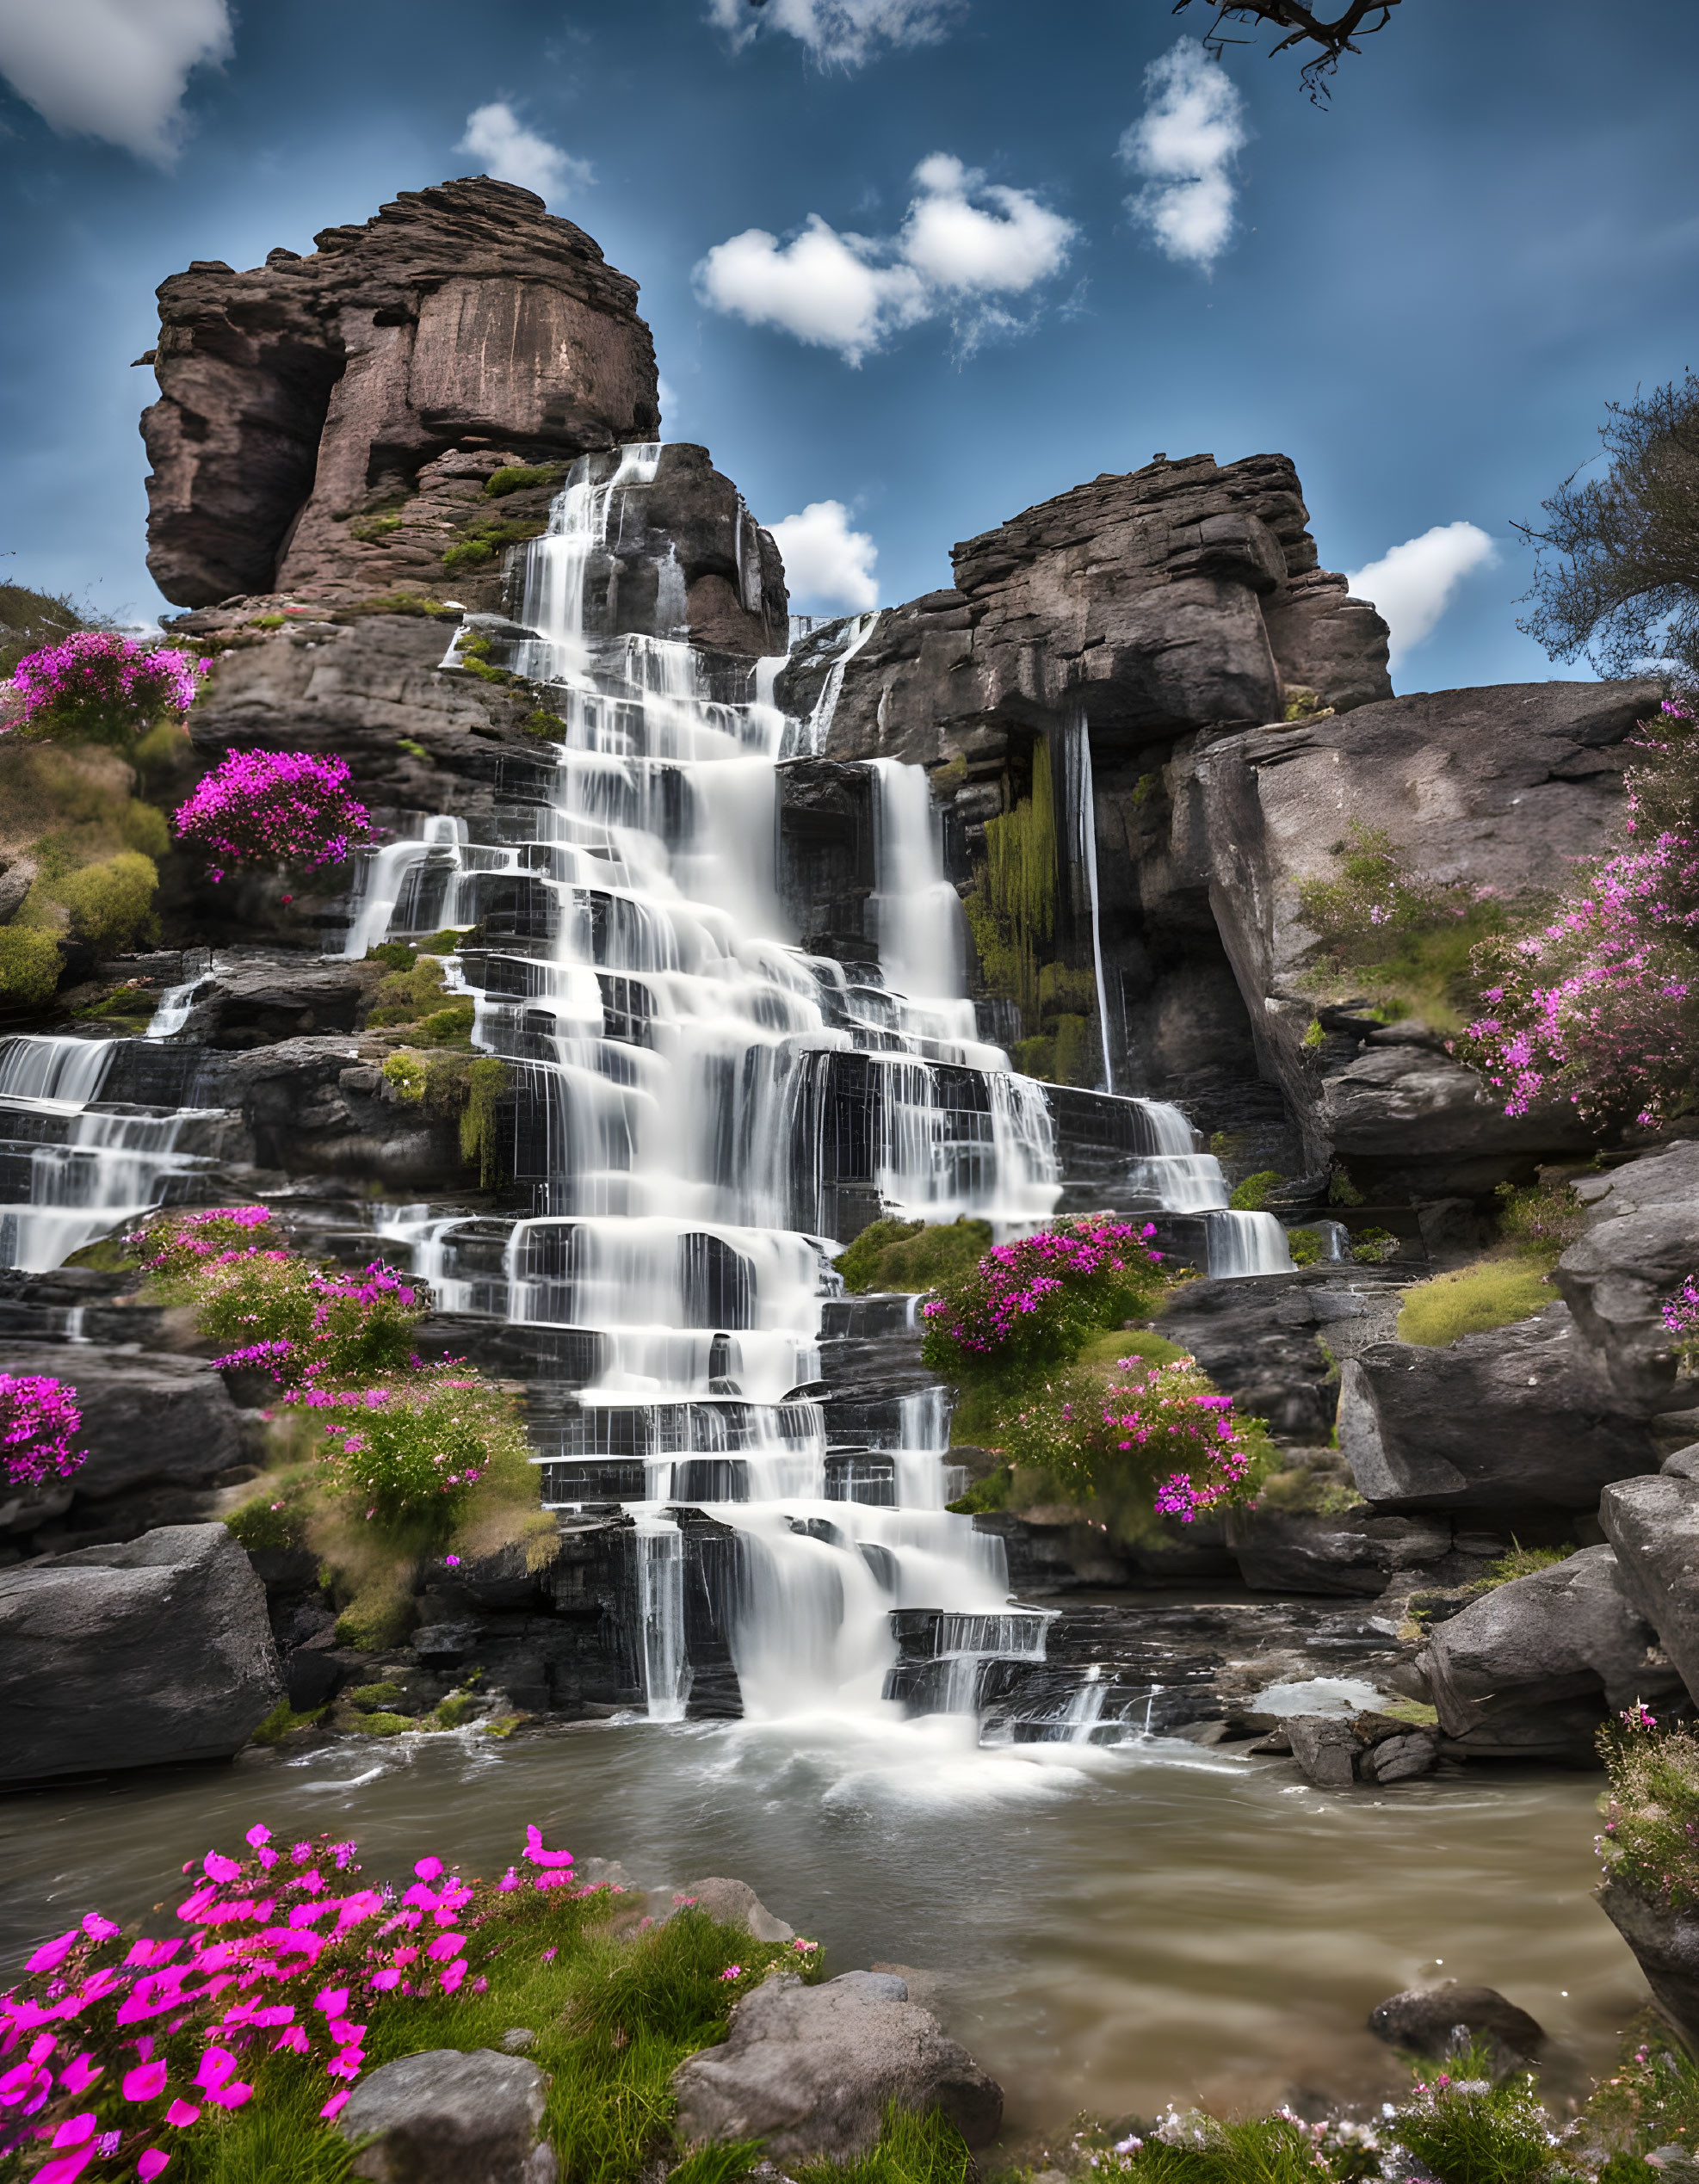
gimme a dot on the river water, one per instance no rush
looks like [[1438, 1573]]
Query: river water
[[1113, 1928]]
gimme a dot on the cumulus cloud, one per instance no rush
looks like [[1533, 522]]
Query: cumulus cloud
[[1412, 584], [113, 69], [1184, 144], [965, 243], [838, 33], [827, 563], [511, 152]]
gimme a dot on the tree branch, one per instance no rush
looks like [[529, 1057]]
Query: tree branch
[[1303, 26]]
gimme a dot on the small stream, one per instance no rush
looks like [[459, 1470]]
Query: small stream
[[1114, 1927]]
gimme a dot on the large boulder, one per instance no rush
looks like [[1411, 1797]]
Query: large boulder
[[1641, 1244], [1354, 1551], [1521, 1417], [446, 2116], [1426, 2022], [131, 1656], [287, 394], [151, 1422], [811, 2070], [1495, 787], [1528, 1671], [1654, 1524], [1665, 1943], [255, 998]]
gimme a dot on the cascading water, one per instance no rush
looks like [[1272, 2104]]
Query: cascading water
[[79, 1169], [692, 1085]]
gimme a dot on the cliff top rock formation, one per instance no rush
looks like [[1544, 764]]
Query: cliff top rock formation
[[1182, 595], [313, 390]]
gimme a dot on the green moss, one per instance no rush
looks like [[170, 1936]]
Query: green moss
[[911, 1256], [381, 1725], [412, 750], [393, 603], [267, 621], [485, 537], [451, 1712], [1342, 1191], [986, 1495], [29, 966], [487, 1080], [446, 1026], [276, 1518], [143, 827], [514, 478], [1521, 1562], [1494, 1293], [1314, 1038], [1252, 1194], [1415, 1712], [373, 1698], [380, 1614], [1146, 786], [282, 1719], [549, 726], [1306, 1247], [372, 530]]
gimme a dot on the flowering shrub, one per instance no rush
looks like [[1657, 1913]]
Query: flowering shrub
[[189, 1240], [286, 807], [39, 1421], [1650, 1841], [96, 687], [304, 1325], [1681, 1319], [286, 1976], [419, 1444], [1161, 1432], [1034, 1303], [1599, 1004]]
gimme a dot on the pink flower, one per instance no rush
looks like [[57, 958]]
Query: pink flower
[[536, 1853], [75, 2130], [180, 2115], [78, 2077], [150, 2162], [334, 2107], [146, 2083], [97, 1928], [52, 1954]]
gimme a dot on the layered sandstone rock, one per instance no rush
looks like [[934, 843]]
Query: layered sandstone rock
[[298, 395]]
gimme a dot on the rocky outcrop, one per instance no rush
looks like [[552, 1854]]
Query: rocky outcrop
[[1495, 787], [310, 390], [1640, 1244], [1528, 1671], [449, 2117], [1654, 1524], [811, 2070], [1521, 1417], [132, 1656], [1137, 601], [1665, 1943]]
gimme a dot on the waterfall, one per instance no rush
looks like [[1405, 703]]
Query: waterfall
[[89, 1168], [1081, 804], [1247, 1243], [176, 1002]]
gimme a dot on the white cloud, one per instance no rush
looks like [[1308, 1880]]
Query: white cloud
[[826, 563], [964, 242], [114, 69], [840, 33], [511, 152], [1412, 584], [1183, 143]]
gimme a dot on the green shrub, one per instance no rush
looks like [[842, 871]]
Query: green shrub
[[1494, 1293], [548, 726], [447, 1026], [513, 477], [380, 1615], [1522, 1562], [143, 827], [1469, 2130], [1252, 1194], [1342, 1191], [418, 1446], [372, 1697], [893, 1255], [1306, 1247], [109, 901], [1543, 1219], [1650, 1837], [29, 966], [379, 1724], [1374, 1247], [409, 1076]]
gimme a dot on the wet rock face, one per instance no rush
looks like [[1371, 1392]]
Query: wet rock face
[[1425, 2020], [1642, 1242], [130, 1656], [1498, 787], [1654, 1524], [292, 394], [1528, 1671]]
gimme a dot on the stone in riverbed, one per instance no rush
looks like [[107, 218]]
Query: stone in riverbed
[[812, 2069], [734, 1903], [1424, 2021], [447, 2118], [130, 1656]]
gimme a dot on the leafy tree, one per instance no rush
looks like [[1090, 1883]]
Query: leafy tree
[[1618, 571]]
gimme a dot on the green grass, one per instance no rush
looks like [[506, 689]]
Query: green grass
[[514, 478], [1494, 1293]]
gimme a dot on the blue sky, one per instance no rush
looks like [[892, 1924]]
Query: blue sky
[[1425, 293]]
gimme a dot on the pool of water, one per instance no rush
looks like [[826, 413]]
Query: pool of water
[[1114, 1928]]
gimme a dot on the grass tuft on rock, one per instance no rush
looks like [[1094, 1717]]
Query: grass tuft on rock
[[1494, 1293], [897, 1256]]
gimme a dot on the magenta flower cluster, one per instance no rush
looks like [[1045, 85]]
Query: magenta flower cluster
[[1600, 1005], [39, 1424], [103, 685], [1033, 1297], [343, 1307], [212, 1232], [269, 806], [1163, 1424], [117, 2045]]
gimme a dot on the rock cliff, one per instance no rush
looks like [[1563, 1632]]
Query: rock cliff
[[311, 391]]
